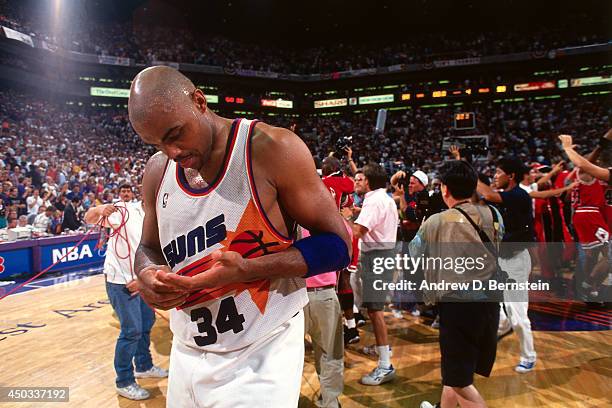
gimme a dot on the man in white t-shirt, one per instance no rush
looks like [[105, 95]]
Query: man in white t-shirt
[[34, 202], [43, 219], [135, 316], [376, 228]]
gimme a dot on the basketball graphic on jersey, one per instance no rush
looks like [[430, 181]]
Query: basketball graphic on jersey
[[250, 244]]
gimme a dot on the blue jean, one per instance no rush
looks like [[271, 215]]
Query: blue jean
[[136, 319]]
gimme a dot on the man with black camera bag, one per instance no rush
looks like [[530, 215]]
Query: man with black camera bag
[[466, 234]]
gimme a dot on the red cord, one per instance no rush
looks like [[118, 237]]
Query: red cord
[[125, 216], [100, 224]]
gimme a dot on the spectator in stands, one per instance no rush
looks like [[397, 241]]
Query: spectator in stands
[[3, 208], [17, 203], [22, 222], [61, 202], [71, 219], [75, 192], [34, 202], [12, 223], [42, 222], [56, 223]]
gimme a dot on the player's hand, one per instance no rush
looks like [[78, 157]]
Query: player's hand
[[108, 210], [229, 267], [400, 188], [155, 292], [454, 151], [346, 212], [134, 287], [566, 142], [349, 152], [557, 167]]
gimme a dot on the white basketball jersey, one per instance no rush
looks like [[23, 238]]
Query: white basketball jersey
[[226, 215]]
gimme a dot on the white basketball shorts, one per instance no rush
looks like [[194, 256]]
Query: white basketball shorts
[[267, 373]]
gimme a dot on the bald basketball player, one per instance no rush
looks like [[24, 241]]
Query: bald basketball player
[[217, 246]]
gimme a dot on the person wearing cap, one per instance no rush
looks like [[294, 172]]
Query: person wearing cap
[[411, 219], [538, 176]]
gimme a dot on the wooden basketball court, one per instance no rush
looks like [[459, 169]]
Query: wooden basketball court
[[64, 336]]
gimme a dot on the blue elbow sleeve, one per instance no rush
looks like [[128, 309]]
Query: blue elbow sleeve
[[323, 253]]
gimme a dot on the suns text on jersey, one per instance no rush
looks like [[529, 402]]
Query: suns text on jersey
[[195, 241]]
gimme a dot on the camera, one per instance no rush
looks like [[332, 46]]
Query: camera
[[403, 182], [341, 144], [428, 205]]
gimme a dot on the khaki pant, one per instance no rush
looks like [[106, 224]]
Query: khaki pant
[[323, 321]]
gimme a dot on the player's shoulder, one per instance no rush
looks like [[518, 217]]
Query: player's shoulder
[[272, 146], [156, 163], [266, 137], [154, 169]]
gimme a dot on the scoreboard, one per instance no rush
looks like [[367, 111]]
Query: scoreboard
[[464, 120]]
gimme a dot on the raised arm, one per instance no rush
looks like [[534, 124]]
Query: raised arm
[[552, 193], [487, 193], [351, 162], [454, 151], [555, 169], [579, 161]]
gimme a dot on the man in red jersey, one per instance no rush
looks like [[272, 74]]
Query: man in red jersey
[[591, 212], [588, 202]]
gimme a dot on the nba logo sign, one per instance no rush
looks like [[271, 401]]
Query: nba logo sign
[[165, 200]]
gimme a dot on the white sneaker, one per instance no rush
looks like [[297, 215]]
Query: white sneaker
[[153, 372], [427, 404], [378, 376], [397, 313], [525, 366], [133, 392], [436, 323]]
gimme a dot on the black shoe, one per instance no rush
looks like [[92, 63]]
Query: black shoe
[[351, 336], [360, 319]]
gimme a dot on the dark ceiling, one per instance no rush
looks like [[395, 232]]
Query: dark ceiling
[[311, 22]]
